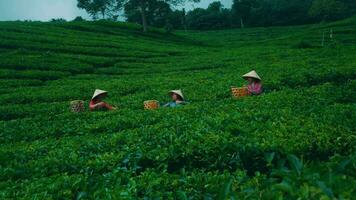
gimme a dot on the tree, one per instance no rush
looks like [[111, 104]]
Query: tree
[[176, 19], [351, 7], [216, 6], [184, 19], [143, 7], [61, 20], [131, 7], [278, 12], [291, 12], [241, 10], [96, 7], [327, 9], [214, 17], [156, 14]]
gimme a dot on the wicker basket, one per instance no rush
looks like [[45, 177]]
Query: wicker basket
[[239, 92], [77, 106], [151, 105]]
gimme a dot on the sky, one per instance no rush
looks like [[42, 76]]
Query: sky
[[45, 10]]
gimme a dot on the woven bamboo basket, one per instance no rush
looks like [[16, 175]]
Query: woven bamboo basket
[[151, 105], [77, 106], [238, 92]]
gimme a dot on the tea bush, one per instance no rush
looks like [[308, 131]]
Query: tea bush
[[295, 141]]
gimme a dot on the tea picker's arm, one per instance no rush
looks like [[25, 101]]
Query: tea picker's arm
[[101, 105], [165, 105]]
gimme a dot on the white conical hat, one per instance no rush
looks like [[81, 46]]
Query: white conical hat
[[252, 74], [178, 92], [98, 92]]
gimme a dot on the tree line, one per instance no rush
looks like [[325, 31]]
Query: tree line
[[243, 13]]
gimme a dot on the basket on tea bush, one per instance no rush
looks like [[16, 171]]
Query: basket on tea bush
[[77, 106], [151, 105], [238, 92]]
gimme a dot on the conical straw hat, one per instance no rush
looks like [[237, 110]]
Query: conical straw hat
[[178, 92], [98, 92], [252, 74]]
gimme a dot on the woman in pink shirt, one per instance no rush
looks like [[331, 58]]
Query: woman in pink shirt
[[96, 102], [254, 86]]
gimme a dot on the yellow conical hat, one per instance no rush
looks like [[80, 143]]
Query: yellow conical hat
[[98, 92], [252, 74], [178, 92]]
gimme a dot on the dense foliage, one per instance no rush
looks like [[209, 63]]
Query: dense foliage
[[296, 141], [148, 10], [250, 13], [254, 13]]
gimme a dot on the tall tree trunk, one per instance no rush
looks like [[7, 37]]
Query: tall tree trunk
[[241, 20], [144, 18], [184, 20]]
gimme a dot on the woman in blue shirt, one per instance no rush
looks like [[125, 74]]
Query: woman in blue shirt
[[177, 99]]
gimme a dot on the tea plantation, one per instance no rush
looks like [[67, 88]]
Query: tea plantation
[[296, 141]]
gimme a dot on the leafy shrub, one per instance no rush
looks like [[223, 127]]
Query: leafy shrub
[[303, 44], [58, 20], [78, 19]]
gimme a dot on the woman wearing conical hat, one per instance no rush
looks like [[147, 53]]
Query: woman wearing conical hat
[[96, 102], [177, 99], [254, 86]]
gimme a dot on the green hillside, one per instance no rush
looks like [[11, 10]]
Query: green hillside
[[297, 140]]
